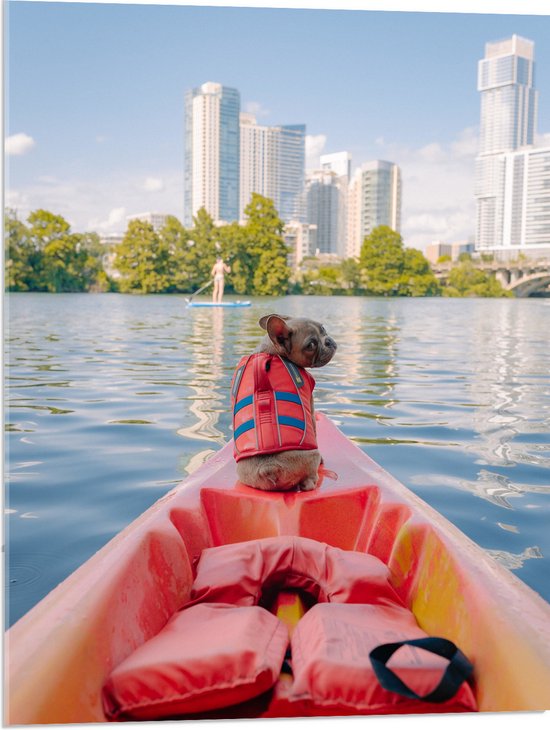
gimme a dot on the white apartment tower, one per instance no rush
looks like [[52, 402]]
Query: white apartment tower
[[212, 152], [512, 175], [272, 164], [338, 162], [374, 199], [259, 161]]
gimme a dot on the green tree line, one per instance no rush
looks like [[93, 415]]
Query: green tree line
[[43, 254]]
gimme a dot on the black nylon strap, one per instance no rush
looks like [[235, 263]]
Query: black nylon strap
[[457, 671], [286, 667]]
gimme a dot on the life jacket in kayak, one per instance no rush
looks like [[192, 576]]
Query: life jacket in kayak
[[223, 647], [271, 399]]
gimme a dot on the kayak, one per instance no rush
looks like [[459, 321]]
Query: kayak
[[65, 652], [218, 304]]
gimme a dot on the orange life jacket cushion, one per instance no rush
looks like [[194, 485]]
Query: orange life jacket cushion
[[244, 572], [206, 657], [333, 674]]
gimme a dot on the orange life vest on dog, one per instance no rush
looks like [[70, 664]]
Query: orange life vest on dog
[[271, 399]]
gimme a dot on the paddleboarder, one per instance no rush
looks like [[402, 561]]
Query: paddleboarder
[[219, 270]]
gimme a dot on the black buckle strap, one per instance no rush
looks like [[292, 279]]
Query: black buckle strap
[[286, 668], [457, 671]]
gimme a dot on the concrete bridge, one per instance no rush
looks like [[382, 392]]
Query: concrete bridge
[[524, 278]]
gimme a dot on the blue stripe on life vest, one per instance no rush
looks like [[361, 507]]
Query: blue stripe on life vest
[[243, 403], [246, 426], [294, 372], [290, 397], [288, 421]]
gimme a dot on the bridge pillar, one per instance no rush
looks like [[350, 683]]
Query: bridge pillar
[[503, 277], [515, 276]]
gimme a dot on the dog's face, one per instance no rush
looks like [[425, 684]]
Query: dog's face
[[303, 341]]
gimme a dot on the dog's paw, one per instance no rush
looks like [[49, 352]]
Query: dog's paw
[[308, 485]]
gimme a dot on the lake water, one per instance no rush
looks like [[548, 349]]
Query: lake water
[[112, 399]]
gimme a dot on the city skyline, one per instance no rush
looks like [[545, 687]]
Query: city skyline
[[109, 141]]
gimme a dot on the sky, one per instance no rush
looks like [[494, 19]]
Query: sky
[[94, 96]]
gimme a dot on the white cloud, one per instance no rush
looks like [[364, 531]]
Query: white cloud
[[255, 108], [114, 221], [98, 205], [438, 189], [153, 185], [315, 145], [467, 143], [18, 201], [18, 144], [432, 153], [543, 140]]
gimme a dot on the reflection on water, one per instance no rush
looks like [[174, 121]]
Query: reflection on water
[[113, 399], [204, 376]]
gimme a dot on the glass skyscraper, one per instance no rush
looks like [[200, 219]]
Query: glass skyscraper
[[508, 96], [212, 152], [512, 175], [324, 206], [292, 164]]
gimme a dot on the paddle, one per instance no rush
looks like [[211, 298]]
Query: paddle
[[199, 290], [188, 300]]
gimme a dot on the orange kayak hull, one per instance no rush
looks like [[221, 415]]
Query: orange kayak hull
[[60, 654]]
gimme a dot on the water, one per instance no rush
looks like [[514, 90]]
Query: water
[[112, 399]]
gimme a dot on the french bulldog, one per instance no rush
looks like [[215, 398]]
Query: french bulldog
[[299, 342]]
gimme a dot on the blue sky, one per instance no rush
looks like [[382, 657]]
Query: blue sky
[[94, 100]]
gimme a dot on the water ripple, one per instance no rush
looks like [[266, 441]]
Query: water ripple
[[111, 399]]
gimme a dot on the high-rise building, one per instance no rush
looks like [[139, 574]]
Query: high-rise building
[[512, 175], [272, 164], [259, 161], [301, 238], [338, 162], [508, 96], [324, 194], [374, 199], [292, 167], [212, 152]]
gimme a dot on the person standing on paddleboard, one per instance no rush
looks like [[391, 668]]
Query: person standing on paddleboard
[[219, 270]]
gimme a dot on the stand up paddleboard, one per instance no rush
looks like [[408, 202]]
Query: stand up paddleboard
[[218, 304]]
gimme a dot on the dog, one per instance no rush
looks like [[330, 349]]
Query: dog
[[274, 418]]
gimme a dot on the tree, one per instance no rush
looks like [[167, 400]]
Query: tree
[[235, 251], [418, 279], [381, 261], [45, 256], [19, 274], [266, 272], [192, 252], [95, 276], [143, 260], [174, 238], [388, 269], [351, 275], [467, 281]]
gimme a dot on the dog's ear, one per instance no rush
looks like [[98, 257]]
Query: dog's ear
[[263, 320], [279, 332]]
